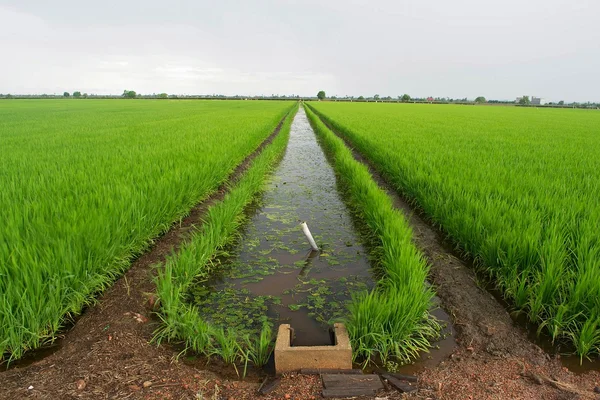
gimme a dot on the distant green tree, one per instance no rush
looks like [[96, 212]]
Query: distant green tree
[[163, 96], [361, 98], [85, 95], [405, 98], [480, 99], [321, 95], [129, 94], [77, 94], [376, 97], [66, 94], [561, 103], [524, 100]]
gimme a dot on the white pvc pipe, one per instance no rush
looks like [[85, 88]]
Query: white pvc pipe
[[309, 236]]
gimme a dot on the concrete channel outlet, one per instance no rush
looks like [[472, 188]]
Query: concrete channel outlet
[[290, 358]]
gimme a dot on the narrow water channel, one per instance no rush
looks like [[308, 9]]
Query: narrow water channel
[[270, 272]]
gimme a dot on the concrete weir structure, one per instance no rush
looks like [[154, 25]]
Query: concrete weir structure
[[290, 358]]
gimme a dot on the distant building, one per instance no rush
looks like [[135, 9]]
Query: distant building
[[535, 101]]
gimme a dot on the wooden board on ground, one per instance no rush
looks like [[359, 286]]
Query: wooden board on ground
[[403, 377], [401, 386], [343, 385], [268, 385], [341, 393]]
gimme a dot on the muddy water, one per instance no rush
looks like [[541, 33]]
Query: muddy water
[[271, 272]]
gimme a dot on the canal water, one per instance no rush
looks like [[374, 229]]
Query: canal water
[[270, 273]]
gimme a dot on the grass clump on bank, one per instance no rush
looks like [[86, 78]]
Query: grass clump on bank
[[516, 189], [393, 320], [193, 263]]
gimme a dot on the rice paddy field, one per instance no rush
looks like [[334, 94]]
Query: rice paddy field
[[233, 303], [86, 185], [516, 189]]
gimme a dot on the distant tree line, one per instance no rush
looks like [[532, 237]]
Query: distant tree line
[[321, 95], [405, 98], [130, 94]]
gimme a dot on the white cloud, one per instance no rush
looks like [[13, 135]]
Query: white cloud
[[430, 47]]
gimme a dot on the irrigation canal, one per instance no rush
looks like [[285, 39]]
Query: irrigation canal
[[271, 272]]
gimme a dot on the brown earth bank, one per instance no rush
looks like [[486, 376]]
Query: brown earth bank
[[107, 354]]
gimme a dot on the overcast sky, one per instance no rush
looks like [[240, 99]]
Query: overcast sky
[[460, 48]]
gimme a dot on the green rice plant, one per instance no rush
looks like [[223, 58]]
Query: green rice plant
[[515, 189], [260, 348], [392, 320], [587, 338], [550, 275], [518, 289], [557, 326], [86, 186], [199, 333], [231, 349], [227, 345], [245, 354]]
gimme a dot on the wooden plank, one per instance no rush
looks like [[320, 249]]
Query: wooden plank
[[351, 379], [319, 371], [348, 392], [402, 377], [267, 387], [403, 387], [331, 381]]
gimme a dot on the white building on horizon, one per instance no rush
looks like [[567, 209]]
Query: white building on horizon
[[537, 101], [534, 101]]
